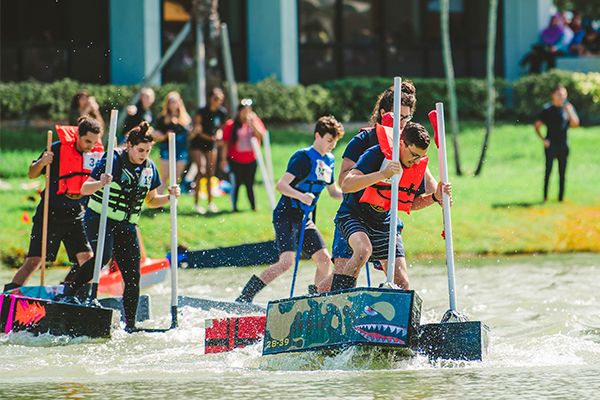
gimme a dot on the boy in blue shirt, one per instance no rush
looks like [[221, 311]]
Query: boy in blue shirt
[[309, 171]]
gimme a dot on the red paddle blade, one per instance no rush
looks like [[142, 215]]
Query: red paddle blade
[[433, 119]]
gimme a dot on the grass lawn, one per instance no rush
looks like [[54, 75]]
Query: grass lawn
[[498, 212]]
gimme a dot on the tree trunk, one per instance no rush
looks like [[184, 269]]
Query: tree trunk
[[491, 51], [447, 52]]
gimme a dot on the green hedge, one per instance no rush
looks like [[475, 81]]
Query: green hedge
[[348, 99]]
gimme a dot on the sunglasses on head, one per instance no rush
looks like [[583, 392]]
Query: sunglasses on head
[[246, 102]]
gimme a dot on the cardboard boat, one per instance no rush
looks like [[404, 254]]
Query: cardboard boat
[[226, 334], [381, 317], [18, 313]]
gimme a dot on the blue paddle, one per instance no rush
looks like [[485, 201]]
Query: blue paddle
[[307, 210]]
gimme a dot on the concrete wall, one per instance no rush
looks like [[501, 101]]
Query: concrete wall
[[524, 20], [273, 40], [139, 22]]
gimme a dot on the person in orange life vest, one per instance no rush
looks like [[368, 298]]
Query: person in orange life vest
[[364, 216], [309, 171], [71, 160], [238, 150], [365, 139]]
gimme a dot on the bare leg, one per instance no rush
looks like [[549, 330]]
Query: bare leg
[[286, 261], [211, 167], [338, 267], [196, 156], [323, 260], [32, 264], [400, 272], [362, 248]]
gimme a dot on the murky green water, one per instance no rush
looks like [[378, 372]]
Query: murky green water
[[543, 314]]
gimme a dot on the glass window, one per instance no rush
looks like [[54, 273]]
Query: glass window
[[316, 21]]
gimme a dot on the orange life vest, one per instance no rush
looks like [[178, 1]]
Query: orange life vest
[[379, 194], [74, 167]]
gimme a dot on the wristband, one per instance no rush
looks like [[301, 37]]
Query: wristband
[[434, 199]]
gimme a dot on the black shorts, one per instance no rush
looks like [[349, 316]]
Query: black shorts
[[379, 236], [197, 143], [287, 234], [70, 231]]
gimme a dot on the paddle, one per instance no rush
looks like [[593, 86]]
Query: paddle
[[263, 172], [395, 182], [307, 210], [114, 117], [45, 218], [437, 120], [174, 260]]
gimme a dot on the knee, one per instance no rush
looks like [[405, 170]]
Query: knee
[[363, 251]]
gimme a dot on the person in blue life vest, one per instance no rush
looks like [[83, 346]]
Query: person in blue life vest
[[382, 114], [364, 216], [309, 171], [134, 180], [71, 160]]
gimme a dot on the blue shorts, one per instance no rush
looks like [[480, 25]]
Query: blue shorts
[[180, 154], [346, 224], [287, 234]]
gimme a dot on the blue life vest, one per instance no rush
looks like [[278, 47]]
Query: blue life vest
[[321, 175]]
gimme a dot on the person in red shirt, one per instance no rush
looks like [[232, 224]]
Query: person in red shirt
[[242, 160]]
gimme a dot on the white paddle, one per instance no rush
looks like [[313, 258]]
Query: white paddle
[[174, 258], [114, 118], [452, 315], [263, 172], [395, 182]]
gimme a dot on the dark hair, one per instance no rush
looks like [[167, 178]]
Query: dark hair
[[386, 101], [237, 124], [415, 133], [557, 87], [75, 99], [329, 125], [87, 124], [139, 134]]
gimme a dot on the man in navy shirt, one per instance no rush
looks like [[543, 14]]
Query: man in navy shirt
[[557, 117], [364, 216]]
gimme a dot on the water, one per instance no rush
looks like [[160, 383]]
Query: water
[[542, 311]]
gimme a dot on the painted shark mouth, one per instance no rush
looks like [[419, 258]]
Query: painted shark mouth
[[382, 333]]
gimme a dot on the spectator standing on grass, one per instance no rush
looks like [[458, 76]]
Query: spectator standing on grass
[[237, 150], [141, 111], [83, 105], [206, 134], [558, 117], [174, 118]]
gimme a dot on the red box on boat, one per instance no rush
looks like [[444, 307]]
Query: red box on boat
[[231, 333]]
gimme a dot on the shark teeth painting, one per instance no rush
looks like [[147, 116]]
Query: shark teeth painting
[[382, 333]]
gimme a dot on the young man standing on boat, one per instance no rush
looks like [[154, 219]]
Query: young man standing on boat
[[309, 171], [71, 161], [364, 216], [382, 114]]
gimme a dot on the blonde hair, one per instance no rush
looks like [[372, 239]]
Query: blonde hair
[[183, 118]]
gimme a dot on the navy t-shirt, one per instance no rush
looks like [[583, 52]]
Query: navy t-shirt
[[364, 140], [63, 206], [556, 120], [150, 173], [369, 162], [300, 166]]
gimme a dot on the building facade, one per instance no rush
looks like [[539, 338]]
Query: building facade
[[298, 41]]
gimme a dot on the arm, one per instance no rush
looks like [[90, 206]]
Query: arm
[[94, 110], [199, 132], [335, 192], [425, 200], [537, 125], [347, 165], [92, 185], [36, 167], [356, 180], [573, 117], [283, 186], [155, 200], [159, 136], [257, 130]]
